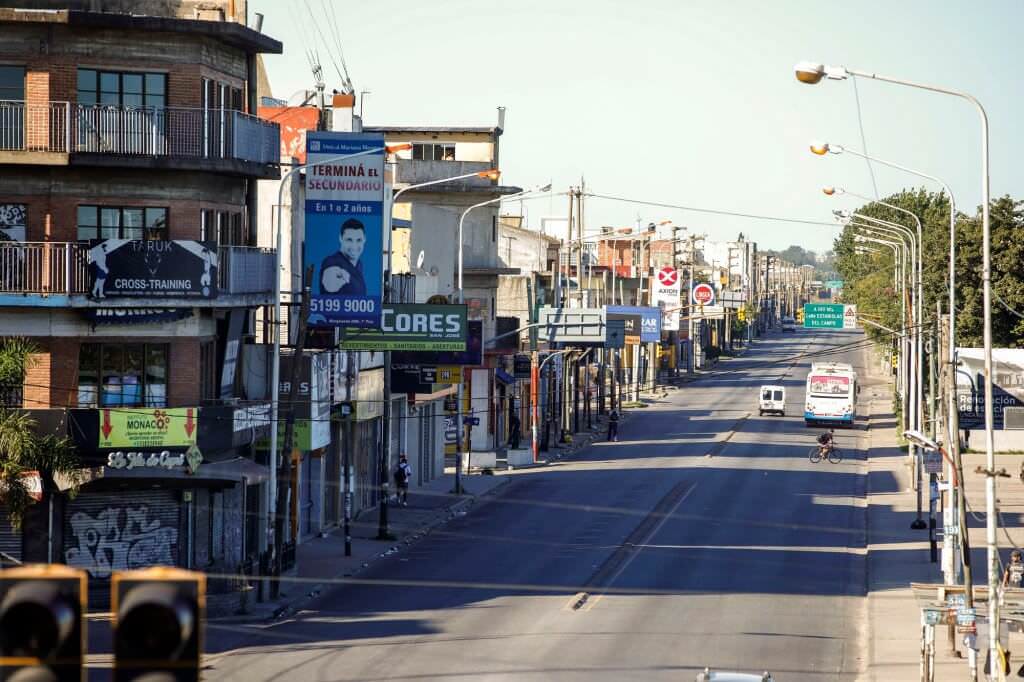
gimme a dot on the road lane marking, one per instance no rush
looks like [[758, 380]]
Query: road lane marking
[[767, 548], [620, 560]]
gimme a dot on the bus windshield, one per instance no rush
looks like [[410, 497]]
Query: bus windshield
[[830, 386]]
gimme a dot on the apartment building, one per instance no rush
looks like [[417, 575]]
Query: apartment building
[[129, 160]]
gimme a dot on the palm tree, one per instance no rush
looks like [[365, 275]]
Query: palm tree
[[23, 450]]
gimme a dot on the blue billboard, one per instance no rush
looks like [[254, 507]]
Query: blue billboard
[[649, 318], [344, 228]]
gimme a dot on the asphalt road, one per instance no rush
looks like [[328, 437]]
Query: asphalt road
[[703, 537]]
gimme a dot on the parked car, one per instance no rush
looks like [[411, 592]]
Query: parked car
[[788, 324], [773, 400]]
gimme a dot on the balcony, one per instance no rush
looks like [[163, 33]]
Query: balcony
[[222, 140], [414, 171], [57, 274]]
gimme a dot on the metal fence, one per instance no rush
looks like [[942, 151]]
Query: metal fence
[[34, 127], [43, 267], [138, 131], [245, 270]]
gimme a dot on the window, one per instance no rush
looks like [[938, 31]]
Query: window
[[122, 375], [208, 388], [122, 222], [12, 115], [224, 227], [115, 88], [12, 83], [433, 151]]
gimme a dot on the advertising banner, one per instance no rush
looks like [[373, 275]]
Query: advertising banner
[[643, 325], [1007, 385], [473, 356], [144, 427], [702, 294], [412, 327], [666, 290], [344, 228], [152, 269]]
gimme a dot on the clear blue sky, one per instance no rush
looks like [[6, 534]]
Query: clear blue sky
[[689, 103]]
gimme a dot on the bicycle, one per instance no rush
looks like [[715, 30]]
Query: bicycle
[[830, 452]]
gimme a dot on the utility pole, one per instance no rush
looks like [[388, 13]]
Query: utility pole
[[283, 492], [349, 448]]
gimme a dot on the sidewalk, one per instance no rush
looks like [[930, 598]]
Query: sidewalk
[[898, 555], [322, 559]]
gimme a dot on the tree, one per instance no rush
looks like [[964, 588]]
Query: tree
[[23, 449], [1006, 220]]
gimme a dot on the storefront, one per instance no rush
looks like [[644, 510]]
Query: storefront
[[167, 486]]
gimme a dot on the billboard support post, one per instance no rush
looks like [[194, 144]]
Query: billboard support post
[[275, 371], [281, 503]]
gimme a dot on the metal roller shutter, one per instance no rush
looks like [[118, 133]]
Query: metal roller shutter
[[10, 538], [106, 532]]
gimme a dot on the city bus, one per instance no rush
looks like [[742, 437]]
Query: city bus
[[831, 396]]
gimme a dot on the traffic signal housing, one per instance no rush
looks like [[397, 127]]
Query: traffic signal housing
[[42, 623], [158, 623]]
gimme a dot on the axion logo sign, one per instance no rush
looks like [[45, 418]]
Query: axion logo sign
[[668, 276], [703, 294]]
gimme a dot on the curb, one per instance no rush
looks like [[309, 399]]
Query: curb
[[314, 589]]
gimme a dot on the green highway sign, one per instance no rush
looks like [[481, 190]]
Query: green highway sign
[[823, 315], [834, 283]]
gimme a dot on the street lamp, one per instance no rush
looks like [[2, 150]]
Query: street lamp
[[811, 73], [462, 220], [918, 335], [917, 366], [952, 424], [383, 532]]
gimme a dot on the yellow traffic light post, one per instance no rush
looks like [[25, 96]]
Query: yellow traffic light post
[[42, 623], [158, 623]]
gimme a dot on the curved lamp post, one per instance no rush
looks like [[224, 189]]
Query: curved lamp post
[[462, 220], [811, 73]]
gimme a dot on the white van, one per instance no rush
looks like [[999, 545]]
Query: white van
[[773, 399]]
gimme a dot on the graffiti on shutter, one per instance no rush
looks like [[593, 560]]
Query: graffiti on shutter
[[112, 532]]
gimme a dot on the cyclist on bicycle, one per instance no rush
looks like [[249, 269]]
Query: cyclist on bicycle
[[825, 441]]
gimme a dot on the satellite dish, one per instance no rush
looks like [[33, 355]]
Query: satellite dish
[[419, 260]]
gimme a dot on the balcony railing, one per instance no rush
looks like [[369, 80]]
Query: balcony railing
[[174, 132], [62, 268], [28, 127], [245, 270]]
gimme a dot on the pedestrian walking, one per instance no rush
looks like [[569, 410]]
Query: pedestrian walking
[[1014, 573], [513, 432], [403, 472], [613, 425]]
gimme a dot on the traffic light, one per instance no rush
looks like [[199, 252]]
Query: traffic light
[[158, 623], [42, 626]]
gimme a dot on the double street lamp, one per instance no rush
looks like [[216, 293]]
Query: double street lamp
[[811, 73], [460, 429]]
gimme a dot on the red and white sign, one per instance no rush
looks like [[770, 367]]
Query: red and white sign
[[665, 293], [703, 294]]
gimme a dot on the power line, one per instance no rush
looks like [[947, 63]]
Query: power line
[[754, 216], [336, 32], [863, 139], [327, 46]]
